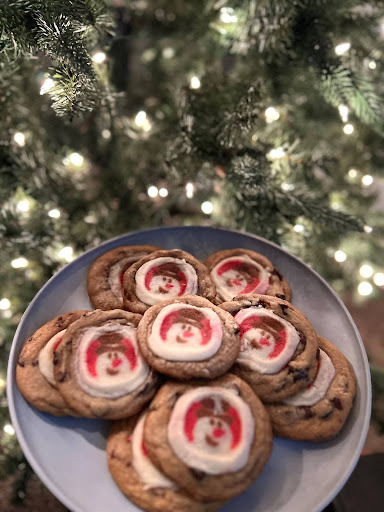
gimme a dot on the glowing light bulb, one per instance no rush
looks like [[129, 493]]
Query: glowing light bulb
[[19, 138], [163, 192], [368, 229], [106, 134], [4, 304], [287, 187], [340, 256], [152, 191], [54, 213], [276, 153], [142, 121], [378, 279], [372, 64], [367, 180], [66, 253], [46, 86], [207, 207], [8, 429], [352, 173], [195, 83], [227, 15], [271, 114], [343, 111], [189, 190], [299, 228], [348, 129], [76, 159], [19, 263], [342, 48], [99, 57], [23, 205], [366, 271], [168, 53], [365, 288]]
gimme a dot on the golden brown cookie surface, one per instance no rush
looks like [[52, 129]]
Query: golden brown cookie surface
[[243, 272], [279, 347], [99, 369], [325, 418], [212, 438], [165, 275], [189, 338], [35, 387], [104, 282]]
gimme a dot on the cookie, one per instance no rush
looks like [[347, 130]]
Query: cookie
[[189, 338], [319, 412], [212, 438], [99, 369], [34, 371], [105, 277], [244, 272], [165, 275], [278, 346], [138, 478]]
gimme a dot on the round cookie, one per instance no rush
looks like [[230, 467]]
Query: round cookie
[[212, 438], [34, 371], [243, 272], [319, 412], [138, 478], [278, 346], [105, 277], [99, 369], [165, 275], [188, 338]]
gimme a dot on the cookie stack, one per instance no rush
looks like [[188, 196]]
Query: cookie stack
[[197, 364]]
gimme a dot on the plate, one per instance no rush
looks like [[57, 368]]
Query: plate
[[68, 454]]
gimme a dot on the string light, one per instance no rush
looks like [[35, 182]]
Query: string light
[[195, 83], [23, 205], [189, 190], [142, 121], [287, 187], [207, 207], [46, 86], [299, 228], [227, 15], [372, 64], [163, 192], [54, 213], [152, 191], [367, 180], [99, 57], [66, 253], [168, 53], [8, 429], [4, 304], [76, 159], [19, 138], [368, 229], [3, 383], [342, 48], [348, 129], [378, 279], [106, 133], [271, 114], [340, 256], [366, 271], [352, 173], [365, 288], [343, 111], [276, 153], [19, 263]]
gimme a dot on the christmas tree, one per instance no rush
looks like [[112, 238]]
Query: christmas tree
[[265, 116]]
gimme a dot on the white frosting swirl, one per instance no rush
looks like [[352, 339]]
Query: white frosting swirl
[[268, 342], [116, 271], [319, 387], [238, 275], [46, 357], [182, 332], [146, 471], [108, 363], [165, 278], [212, 429]]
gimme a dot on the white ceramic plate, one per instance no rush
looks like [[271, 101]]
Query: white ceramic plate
[[68, 454]]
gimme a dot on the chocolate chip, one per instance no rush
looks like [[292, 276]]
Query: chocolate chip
[[337, 403], [298, 374], [277, 273], [20, 363], [308, 413], [35, 363], [157, 492], [113, 455], [284, 308], [327, 415], [280, 296], [199, 475], [128, 464], [69, 342], [62, 376], [263, 303], [55, 360], [30, 338]]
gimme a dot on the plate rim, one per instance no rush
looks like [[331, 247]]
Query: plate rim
[[11, 381]]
